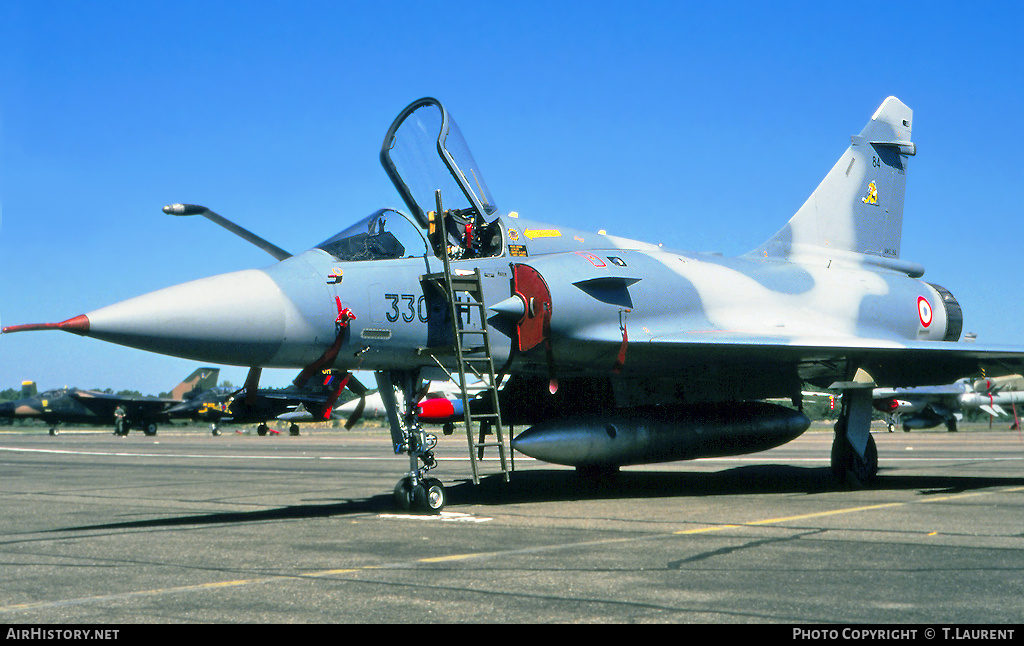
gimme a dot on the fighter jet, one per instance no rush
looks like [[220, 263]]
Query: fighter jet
[[76, 406], [992, 393], [611, 351], [250, 404], [928, 406]]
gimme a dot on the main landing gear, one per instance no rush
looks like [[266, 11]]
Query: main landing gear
[[415, 491], [122, 425], [854, 455]]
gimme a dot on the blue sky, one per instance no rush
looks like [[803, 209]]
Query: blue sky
[[702, 126]]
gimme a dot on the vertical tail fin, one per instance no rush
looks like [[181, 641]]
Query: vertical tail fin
[[200, 380], [28, 389], [856, 213]]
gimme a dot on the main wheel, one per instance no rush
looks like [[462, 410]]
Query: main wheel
[[261, 430], [865, 468], [293, 429], [429, 496], [403, 494], [845, 459], [840, 457], [150, 429]]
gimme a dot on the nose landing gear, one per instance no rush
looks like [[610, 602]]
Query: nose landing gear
[[415, 491]]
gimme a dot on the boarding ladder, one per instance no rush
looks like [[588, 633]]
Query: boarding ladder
[[468, 311]]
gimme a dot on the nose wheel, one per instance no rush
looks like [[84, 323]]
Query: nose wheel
[[422, 495]]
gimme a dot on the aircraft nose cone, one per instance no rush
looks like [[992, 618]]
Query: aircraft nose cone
[[7, 410], [239, 318]]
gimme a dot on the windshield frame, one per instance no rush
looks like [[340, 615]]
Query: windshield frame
[[362, 227]]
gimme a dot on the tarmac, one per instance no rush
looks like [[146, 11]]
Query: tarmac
[[185, 527]]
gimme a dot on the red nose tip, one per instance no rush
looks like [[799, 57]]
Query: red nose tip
[[78, 325]]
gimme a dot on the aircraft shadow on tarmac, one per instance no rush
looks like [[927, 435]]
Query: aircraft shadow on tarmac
[[552, 486], [376, 504], [537, 486]]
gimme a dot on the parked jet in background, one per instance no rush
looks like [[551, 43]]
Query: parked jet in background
[[370, 407], [929, 406], [437, 403], [250, 404], [614, 351], [75, 406]]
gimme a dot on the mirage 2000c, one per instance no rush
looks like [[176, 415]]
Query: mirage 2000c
[[574, 326]]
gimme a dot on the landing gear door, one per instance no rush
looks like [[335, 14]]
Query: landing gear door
[[424, 152]]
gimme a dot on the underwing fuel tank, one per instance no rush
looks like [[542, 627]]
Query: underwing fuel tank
[[925, 419], [641, 436]]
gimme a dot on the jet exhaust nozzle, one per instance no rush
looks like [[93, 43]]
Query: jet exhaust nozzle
[[641, 436]]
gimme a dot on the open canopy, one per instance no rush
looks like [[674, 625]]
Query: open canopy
[[424, 152]]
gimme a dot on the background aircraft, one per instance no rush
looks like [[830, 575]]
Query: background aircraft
[[28, 389], [76, 406], [438, 403], [370, 407], [250, 404], [929, 406], [612, 351]]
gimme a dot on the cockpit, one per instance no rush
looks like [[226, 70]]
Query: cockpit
[[430, 165]]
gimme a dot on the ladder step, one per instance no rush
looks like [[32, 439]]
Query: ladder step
[[478, 416]]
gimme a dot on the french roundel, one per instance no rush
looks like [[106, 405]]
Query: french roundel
[[924, 310]]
